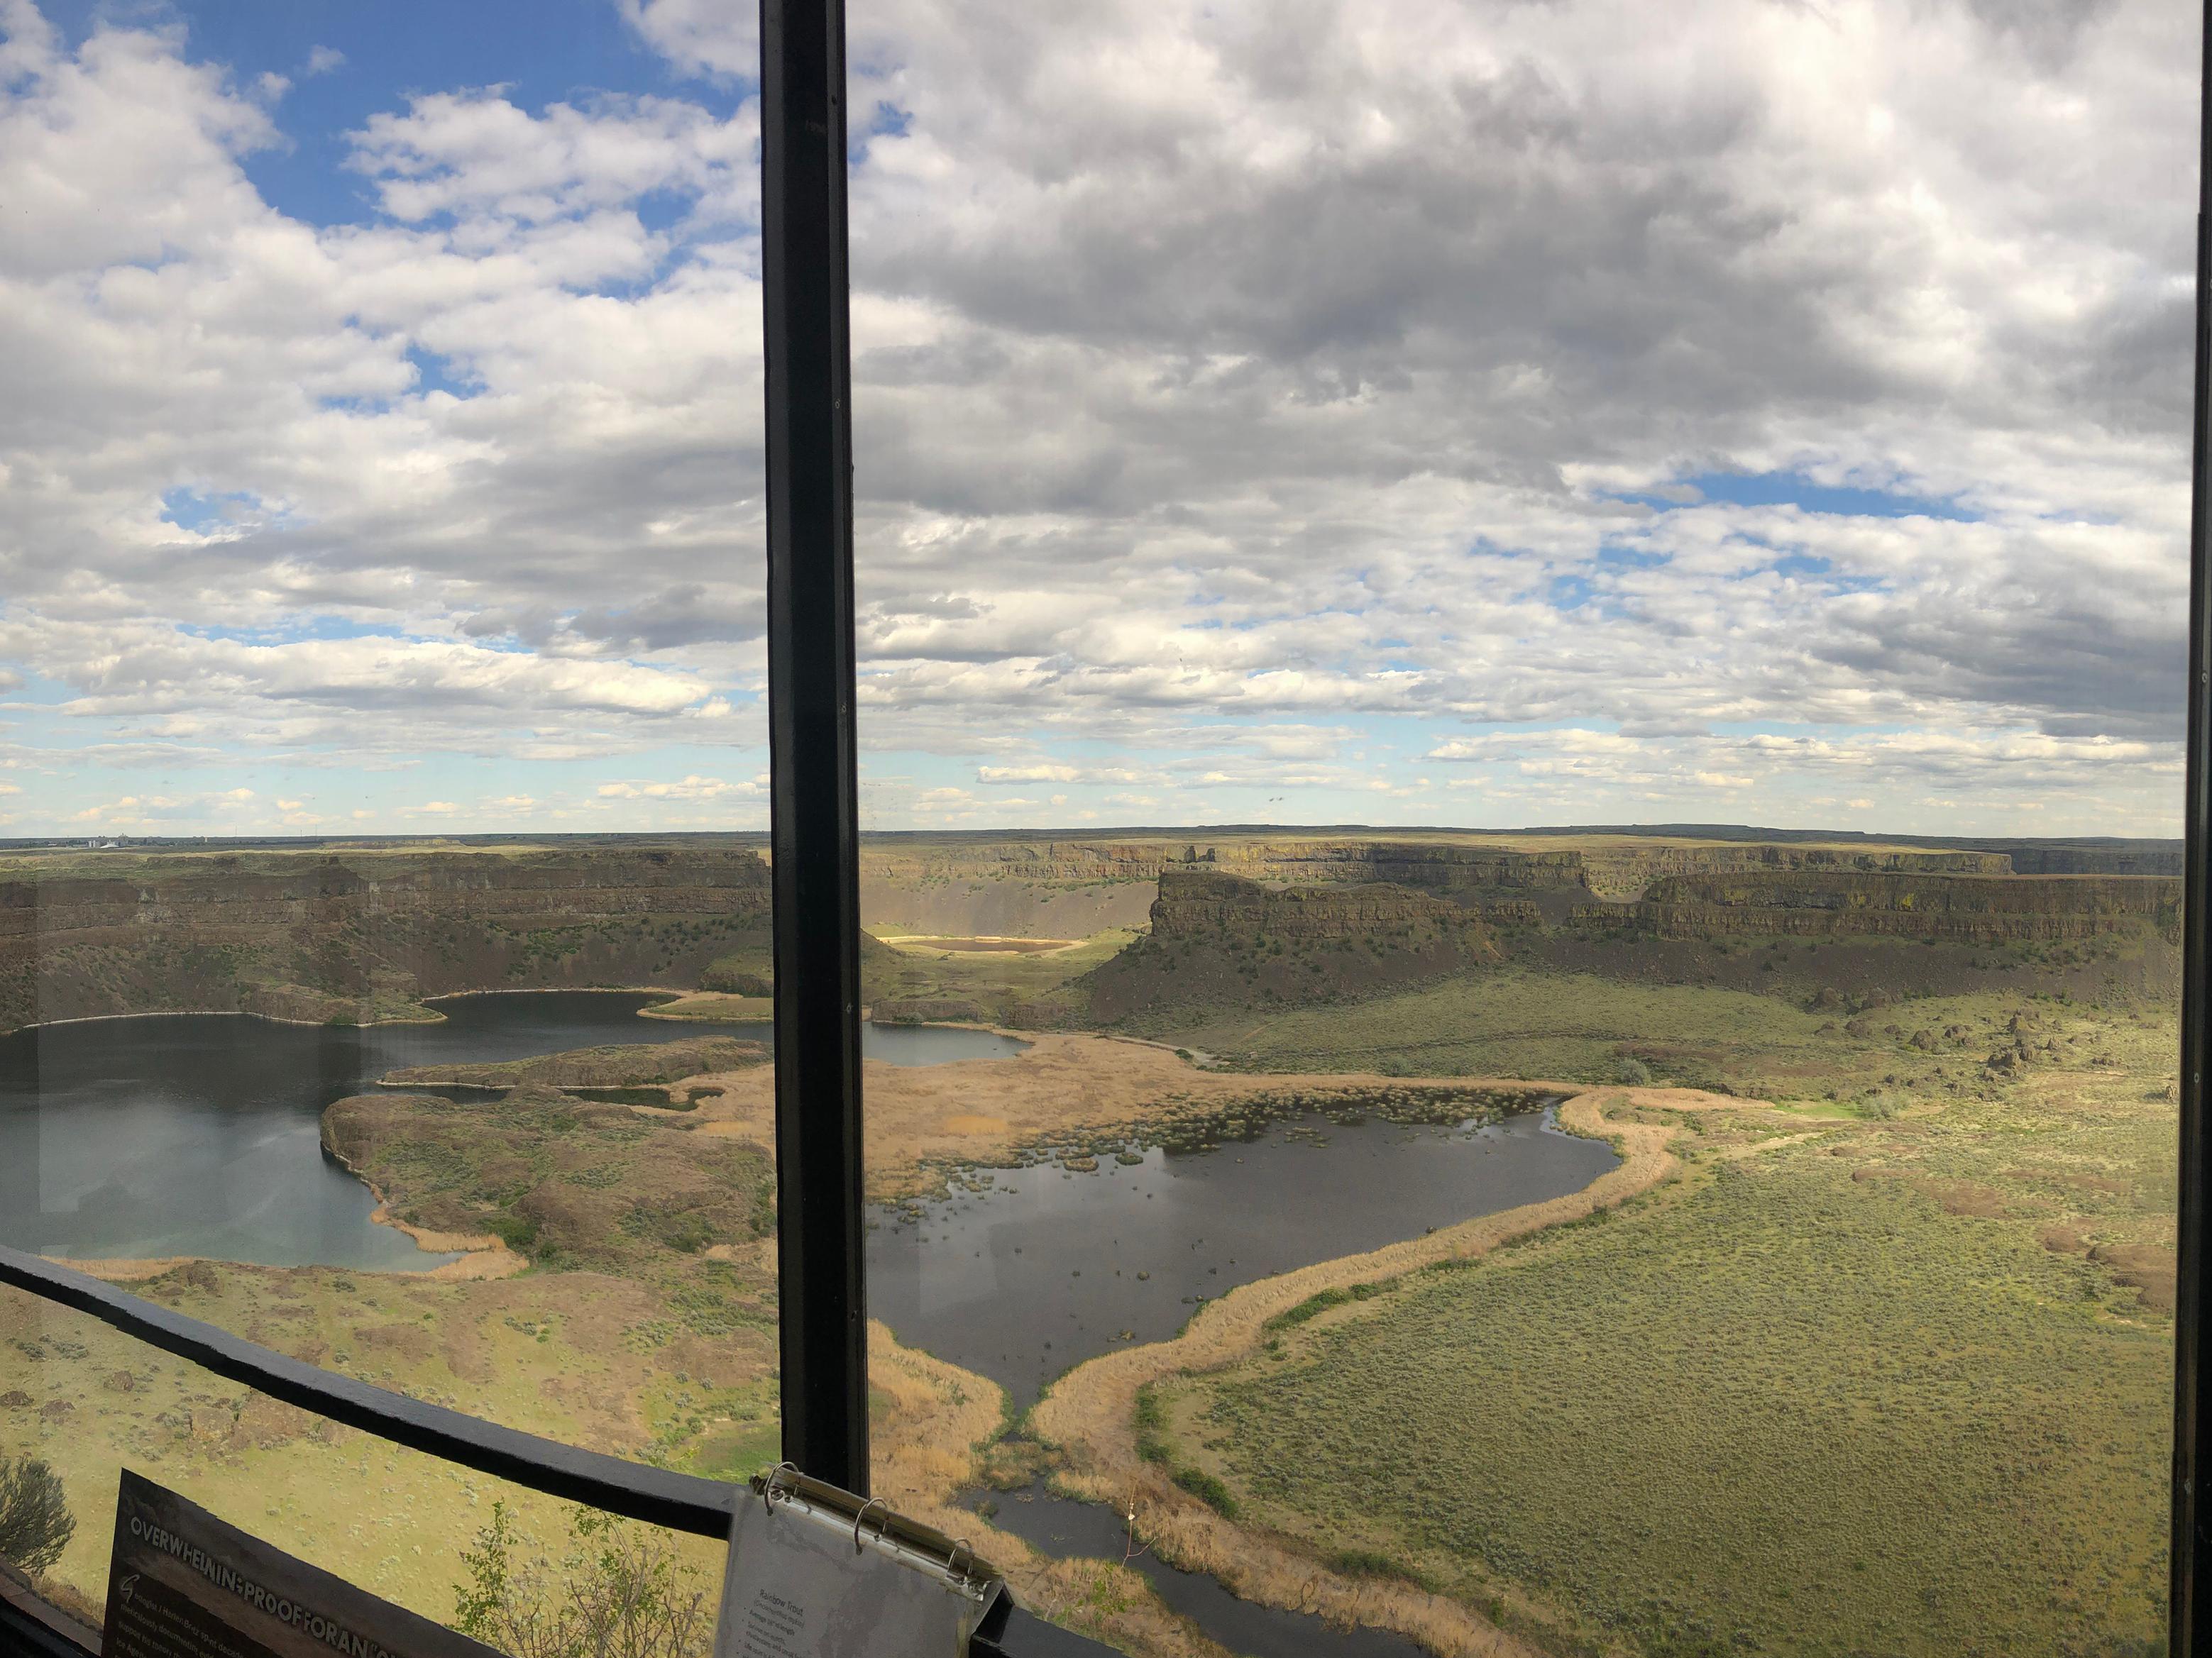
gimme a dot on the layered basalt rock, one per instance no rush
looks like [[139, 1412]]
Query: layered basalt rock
[[1217, 935], [1970, 908], [1066, 888], [355, 937]]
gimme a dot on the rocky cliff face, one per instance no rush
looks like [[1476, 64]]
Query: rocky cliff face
[[1219, 936], [1071, 889], [1974, 908], [362, 934], [367, 936]]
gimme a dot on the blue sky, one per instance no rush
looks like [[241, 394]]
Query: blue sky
[[1775, 439]]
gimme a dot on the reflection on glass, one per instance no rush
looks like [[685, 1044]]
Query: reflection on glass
[[82, 1402], [1515, 639]]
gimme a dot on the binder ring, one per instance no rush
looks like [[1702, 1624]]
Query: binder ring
[[768, 1485], [860, 1519], [951, 1559]]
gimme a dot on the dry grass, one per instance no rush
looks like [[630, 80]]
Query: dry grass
[[713, 1004], [932, 1421], [985, 1111]]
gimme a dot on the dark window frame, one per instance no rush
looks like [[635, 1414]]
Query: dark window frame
[[2189, 1623]]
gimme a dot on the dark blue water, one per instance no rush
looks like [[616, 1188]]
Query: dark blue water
[[901, 1044], [1048, 1267], [200, 1134]]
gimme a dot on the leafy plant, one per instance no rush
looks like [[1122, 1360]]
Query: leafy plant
[[35, 1523], [1208, 1490], [1111, 1591], [619, 1592]]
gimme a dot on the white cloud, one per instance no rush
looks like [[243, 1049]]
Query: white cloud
[[693, 788], [1232, 385]]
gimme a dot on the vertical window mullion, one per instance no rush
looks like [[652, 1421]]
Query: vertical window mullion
[[2191, 1632], [814, 785]]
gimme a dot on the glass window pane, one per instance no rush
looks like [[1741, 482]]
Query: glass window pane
[[1537, 652], [383, 667], [83, 1401]]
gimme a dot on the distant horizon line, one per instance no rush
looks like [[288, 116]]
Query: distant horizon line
[[1735, 832]]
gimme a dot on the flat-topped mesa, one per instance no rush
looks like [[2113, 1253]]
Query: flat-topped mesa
[[1628, 872], [1204, 904], [1973, 909], [1014, 889], [1481, 873], [1068, 888], [1215, 935], [365, 935], [1610, 869], [1473, 871]]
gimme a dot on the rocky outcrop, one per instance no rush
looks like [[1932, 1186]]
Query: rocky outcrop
[[360, 936], [1972, 909], [1631, 871], [1217, 936]]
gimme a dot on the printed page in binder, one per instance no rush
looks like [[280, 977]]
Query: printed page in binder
[[798, 1586]]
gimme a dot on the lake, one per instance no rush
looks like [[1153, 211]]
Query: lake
[[1048, 1267], [200, 1134]]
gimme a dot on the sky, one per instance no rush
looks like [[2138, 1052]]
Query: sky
[[1471, 412]]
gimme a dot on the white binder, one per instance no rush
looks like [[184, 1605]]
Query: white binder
[[817, 1572]]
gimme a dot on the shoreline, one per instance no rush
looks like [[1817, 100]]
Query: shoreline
[[478, 1255], [212, 1013], [435, 1017], [1089, 1415]]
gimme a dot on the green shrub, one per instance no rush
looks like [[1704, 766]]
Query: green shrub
[[731, 979], [35, 1523], [619, 1592], [1312, 1307], [1633, 1074], [1207, 1489], [1149, 1414]]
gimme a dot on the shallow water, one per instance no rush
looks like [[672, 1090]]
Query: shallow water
[[1041, 1271], [908, 1044], [1056, 1525], [200, 1134]]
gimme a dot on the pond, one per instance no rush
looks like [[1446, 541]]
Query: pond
[[200, 1134], [1046, 1267]]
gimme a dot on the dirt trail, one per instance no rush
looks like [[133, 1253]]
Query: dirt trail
[[1090, 1414]]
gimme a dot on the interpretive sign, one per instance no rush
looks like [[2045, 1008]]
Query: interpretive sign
[[809, 1577], [183, 1584]]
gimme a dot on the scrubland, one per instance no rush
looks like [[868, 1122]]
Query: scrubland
[[1866, 1349], [1886, 1374]]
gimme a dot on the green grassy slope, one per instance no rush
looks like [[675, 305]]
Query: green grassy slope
[[1895, 1386]]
